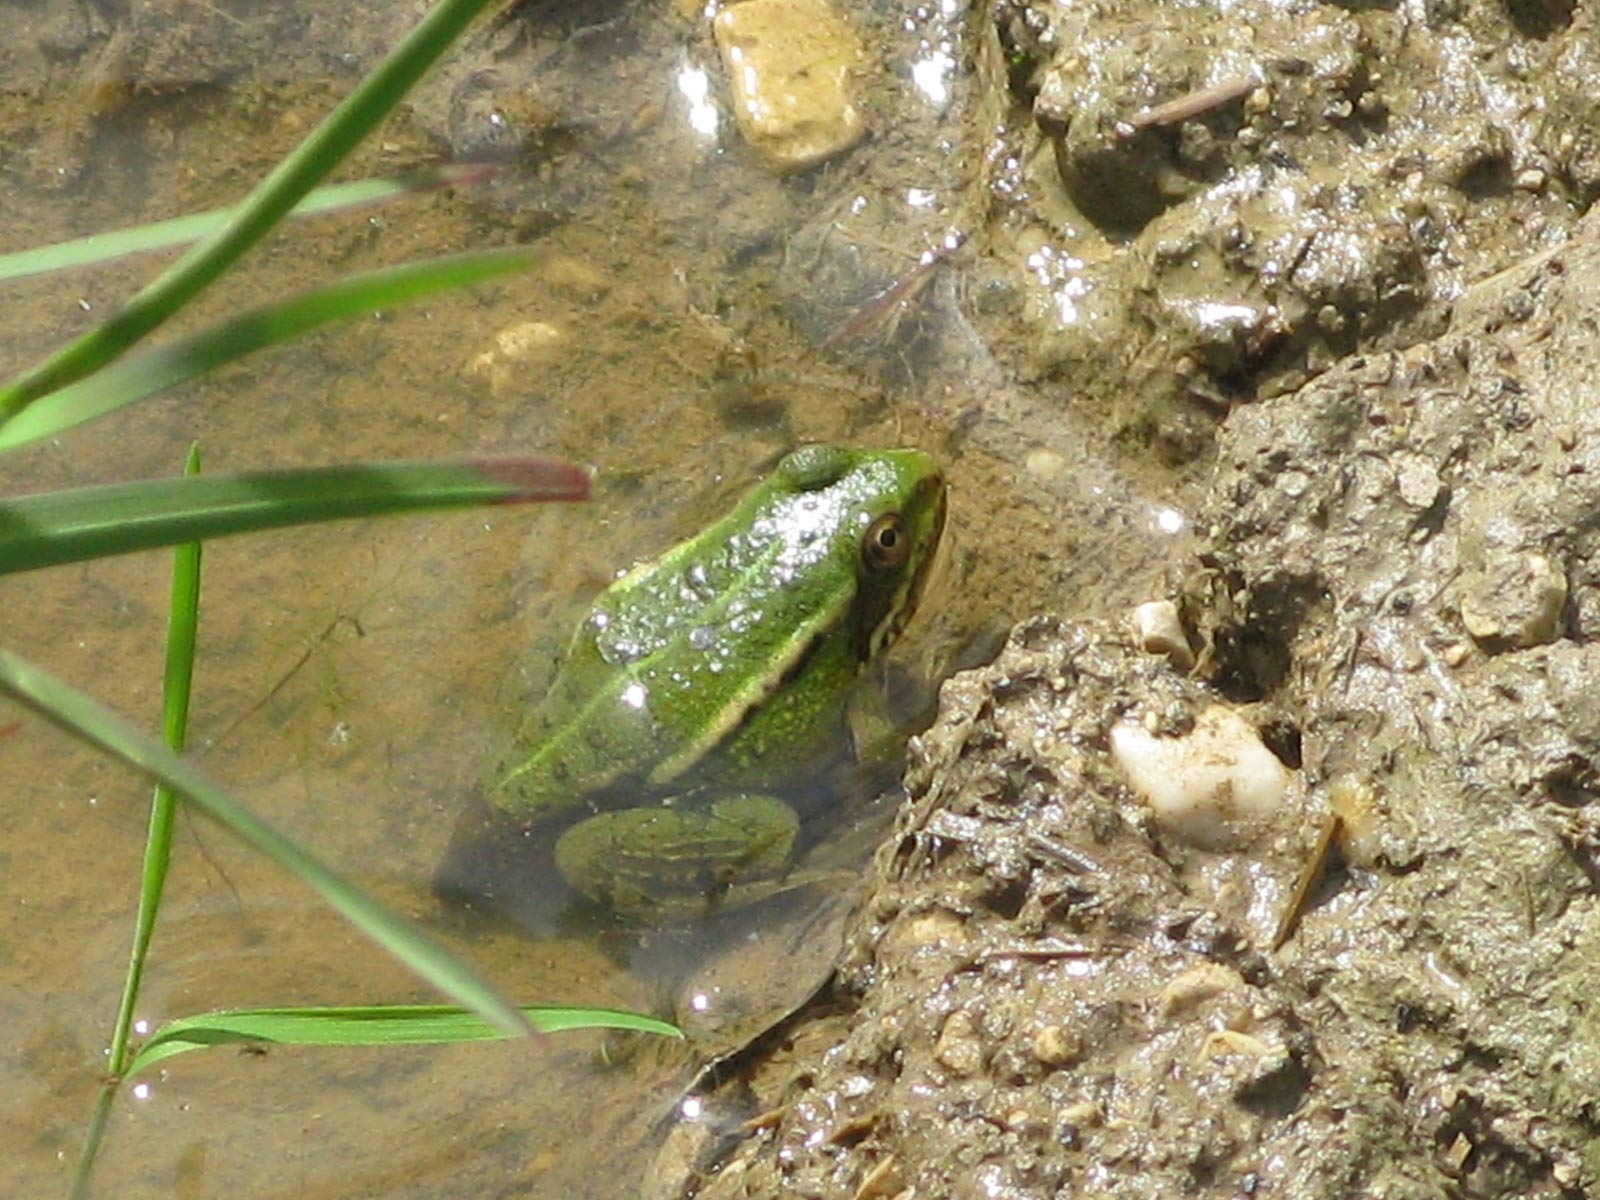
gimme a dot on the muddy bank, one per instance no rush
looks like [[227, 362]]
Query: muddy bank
[[1195, 205], [1048, 994]]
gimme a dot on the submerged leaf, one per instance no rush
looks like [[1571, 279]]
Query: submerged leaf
[[371, 1025]]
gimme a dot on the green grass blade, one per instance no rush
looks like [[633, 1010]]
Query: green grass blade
[[354, 296], [183, 618], [91, 1142], [88, 719], [271, 200], [377, 1025], [162, 235], [58, 527]]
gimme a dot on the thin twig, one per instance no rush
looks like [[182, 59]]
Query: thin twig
[[1070, 857], [1309, 875], [1175, 112]]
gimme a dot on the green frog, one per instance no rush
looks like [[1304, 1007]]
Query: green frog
[[725, 667]]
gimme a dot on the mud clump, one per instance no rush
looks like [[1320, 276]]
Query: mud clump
[[1048, 994], [1215, 202], [1042, 982]]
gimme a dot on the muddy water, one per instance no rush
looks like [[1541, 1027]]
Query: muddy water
[[353, 679]]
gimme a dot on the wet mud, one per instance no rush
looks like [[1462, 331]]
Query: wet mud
[[1048, 993]]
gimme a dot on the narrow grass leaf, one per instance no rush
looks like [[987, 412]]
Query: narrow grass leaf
[[182, 621], [354, 296], [183, 618], [94, 723], [377, 1025], [271, 200], [162, 235], [58, 527]]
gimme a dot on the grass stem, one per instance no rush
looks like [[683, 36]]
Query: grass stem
[[183, 617]]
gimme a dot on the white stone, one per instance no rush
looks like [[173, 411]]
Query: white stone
[[958, 1047], [1214, 786], [1159, 630], [1418, 482], [1046, 464]]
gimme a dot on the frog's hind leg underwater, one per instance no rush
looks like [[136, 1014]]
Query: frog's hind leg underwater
[[498, 871]]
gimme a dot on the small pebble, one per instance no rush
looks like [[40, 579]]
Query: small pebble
[[1159, 630], [1222, 1042], [1214, 786], [1017, 1120], [1360, 830], [1418, 482], [1057, 1047], [1046, 464], [938, 929], [1293, 483], [788, 64], [504, 366], [1196, 986], [958, 1049], [1515, 602]]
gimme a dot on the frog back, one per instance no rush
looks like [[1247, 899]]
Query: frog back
[[720, 659]]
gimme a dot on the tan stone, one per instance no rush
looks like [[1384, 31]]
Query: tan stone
[[1514, 601], [958, 1048], [1056, 1046], [788, 64], [517, 349]]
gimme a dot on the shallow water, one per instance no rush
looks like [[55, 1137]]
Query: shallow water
[[353, 679]]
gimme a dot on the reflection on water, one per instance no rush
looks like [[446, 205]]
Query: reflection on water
[[351, 678]]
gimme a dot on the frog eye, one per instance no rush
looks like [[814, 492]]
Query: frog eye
[[885, 544]]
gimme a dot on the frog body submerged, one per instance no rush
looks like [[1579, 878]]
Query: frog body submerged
[[725, 664]]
